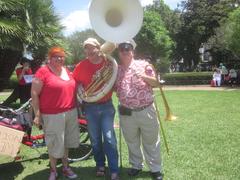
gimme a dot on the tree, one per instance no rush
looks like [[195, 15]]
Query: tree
[[231, 32], [153, 38], [75, 43], [199, 21], [172, 23], [25, 25], [225, 43]]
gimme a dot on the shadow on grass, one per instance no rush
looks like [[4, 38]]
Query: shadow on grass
[[86, 173], [11, 170], [42, 156]]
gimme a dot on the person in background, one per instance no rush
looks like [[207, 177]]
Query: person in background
[[137, 113], [54, 103], [217, 77], [224, 72], [24, 75], [100, 114], [23, 89], [232, 76]]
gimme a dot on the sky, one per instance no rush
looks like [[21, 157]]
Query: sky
[[74, 13]]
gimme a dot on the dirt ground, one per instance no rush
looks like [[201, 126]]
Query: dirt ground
[[200, 87]]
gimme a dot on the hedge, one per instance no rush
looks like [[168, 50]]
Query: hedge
[[183, 78], [187, 78]]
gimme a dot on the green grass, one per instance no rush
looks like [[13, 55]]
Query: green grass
[[204, 142]]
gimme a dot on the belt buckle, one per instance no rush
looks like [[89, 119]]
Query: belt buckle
[[139, 109]]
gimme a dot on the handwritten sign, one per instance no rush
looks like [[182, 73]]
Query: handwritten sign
[[10, 141]]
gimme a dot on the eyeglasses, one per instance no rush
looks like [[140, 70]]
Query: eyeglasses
[[58, 58], [125, 47]]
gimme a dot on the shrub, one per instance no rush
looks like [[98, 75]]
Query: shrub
[[12, 82], [187, 78]]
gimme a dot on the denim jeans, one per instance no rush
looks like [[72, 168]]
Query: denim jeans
[[100, 119]]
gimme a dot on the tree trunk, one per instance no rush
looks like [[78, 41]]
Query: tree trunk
[[8, 60]]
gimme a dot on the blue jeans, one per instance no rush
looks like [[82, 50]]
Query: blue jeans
[[100, 119]]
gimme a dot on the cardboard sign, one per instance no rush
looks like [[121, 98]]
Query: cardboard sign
[[10, 141]]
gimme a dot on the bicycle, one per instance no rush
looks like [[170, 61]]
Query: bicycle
[[22, 119]]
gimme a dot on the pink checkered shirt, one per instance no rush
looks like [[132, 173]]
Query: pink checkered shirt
[[133, 92]]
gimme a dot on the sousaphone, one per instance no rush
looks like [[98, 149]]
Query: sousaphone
[[115, 21]]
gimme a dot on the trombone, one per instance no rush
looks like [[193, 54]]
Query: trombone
[[169, 115], [168, 111]]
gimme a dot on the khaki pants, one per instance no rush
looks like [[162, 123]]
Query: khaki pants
[[142, 127], [61, 131]]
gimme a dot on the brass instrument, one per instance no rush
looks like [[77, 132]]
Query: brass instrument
[[114, 21], [169, 115], [161, 126], [157, 110], [102, 81]]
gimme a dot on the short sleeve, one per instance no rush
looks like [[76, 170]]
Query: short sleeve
[[149, 70], [76, 71], [18, 71], [41, 74]]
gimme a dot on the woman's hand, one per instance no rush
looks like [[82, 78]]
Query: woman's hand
[[37, 121]]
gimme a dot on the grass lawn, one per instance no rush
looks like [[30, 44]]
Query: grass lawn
[[204, 142]]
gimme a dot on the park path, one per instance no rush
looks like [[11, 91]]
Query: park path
[[200, 87]]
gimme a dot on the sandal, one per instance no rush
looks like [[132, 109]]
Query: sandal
[[100, 172], [115, 176]]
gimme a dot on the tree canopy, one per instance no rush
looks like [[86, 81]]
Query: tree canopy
[[200, 19], [26, 26]]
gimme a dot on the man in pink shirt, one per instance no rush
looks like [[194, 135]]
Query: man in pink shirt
[[137, 113]]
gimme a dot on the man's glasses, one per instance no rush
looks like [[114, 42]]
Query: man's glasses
[[58, 58], [125, 47]]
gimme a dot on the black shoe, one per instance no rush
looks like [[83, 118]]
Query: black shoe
[[157, 175], [134, 172]]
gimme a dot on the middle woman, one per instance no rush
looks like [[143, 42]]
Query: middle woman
[[100, 114]]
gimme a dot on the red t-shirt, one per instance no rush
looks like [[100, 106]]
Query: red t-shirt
[[57, 95], [27, 72], [84, 72]]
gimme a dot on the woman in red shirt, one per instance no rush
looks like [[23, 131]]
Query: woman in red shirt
[[23, 89], [24, 75], [53, 97]]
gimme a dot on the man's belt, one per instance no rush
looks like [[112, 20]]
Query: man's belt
[[97, 103], [140, 108], [137, 109]]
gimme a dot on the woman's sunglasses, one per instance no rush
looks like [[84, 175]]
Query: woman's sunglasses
[[58, 58]]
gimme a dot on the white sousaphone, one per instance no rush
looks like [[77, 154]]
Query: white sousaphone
[[115, 21]]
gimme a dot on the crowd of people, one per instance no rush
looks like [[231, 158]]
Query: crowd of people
[[221, 75]]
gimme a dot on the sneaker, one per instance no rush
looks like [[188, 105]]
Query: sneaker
[[100, 171], [157, 175], [53, 175], [134, 172], [67, 172]]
